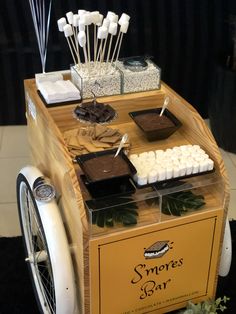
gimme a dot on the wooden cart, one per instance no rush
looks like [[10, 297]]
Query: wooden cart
[[111, 272]]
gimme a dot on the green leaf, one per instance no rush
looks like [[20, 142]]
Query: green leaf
[[100, 220], [129, 219], [181, 202], [109, 219], [218, 301]]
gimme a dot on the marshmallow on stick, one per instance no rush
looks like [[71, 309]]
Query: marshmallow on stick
[[97, 25], [112, 31], [123, 29], [106, 23], [86, 18], [124, 20], [75, 32], [102, 34], [68, 32]]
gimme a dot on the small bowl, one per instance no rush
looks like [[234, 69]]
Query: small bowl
[[154, 131], [104, 169]]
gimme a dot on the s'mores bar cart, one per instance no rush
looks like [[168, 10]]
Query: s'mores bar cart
[[143, 243]]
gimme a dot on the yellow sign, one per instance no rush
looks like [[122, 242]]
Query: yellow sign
[[156, 268]]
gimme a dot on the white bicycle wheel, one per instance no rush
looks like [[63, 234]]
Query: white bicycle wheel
[[46, 247]]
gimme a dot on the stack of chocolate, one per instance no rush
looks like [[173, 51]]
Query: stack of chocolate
[[92, 139], [95, 112]]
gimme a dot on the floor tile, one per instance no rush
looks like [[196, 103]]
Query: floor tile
[[14, 142], [232, 205], [230, 168], [9, 168], [9, 222]]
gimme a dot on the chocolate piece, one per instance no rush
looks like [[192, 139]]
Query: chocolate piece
[[95, 112]]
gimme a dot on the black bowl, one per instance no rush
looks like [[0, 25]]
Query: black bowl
[[156, 132], [122, 166]]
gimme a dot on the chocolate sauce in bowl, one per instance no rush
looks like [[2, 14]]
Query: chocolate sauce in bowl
[[152, 121], [105, 167]]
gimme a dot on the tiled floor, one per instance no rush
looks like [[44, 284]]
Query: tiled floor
[[14, 154]]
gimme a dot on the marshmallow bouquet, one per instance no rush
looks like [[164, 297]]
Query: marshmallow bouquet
[[94, 38], [179, 161]]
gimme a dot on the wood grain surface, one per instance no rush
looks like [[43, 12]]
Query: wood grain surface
[[49, 153]]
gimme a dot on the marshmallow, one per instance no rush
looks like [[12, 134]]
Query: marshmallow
[[81, 26], [106, 22], [203, 166], [133, 157], [159, 153], [76, 20], [109, 14], [113, 28], [176, 172], [152, 176], [112, 17], [82, 38], [171, 163], [94, 17], [81, 12], [189, 168], [61, 23], [86, 18], [151, 154], [142, 179], [169, 173], [99, 20], [195, 167], [69, 16], [196, 147], [161, 174], [102, 32], [210, 164], [183, 147], [68, 30], [124, 18]]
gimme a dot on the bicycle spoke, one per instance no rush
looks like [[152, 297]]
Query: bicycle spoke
[[37, 250]]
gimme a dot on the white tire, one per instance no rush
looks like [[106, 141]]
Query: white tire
[[226, 254], [47, 249]]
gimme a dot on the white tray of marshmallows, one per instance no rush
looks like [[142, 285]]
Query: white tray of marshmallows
[[171, 164]]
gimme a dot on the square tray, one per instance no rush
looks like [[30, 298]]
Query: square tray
[[81, 159], [118, 186]]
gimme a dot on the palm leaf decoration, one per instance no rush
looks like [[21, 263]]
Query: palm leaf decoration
[[179, 203], [121, 210]]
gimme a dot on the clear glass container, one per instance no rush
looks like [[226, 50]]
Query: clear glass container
[[154, 204], [121, 212], [97, 79], [140, 79]]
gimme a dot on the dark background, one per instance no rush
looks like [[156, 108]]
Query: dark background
[[187, 39]]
